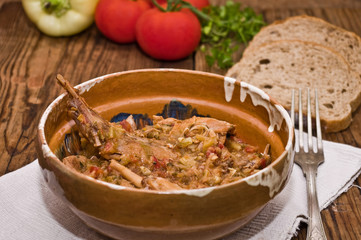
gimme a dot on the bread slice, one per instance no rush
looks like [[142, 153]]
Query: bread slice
[[313, 29], [280, 66]]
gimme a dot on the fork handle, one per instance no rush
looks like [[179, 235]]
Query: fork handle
[[315, 230]]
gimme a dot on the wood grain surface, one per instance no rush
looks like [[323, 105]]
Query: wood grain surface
[[29, 61]]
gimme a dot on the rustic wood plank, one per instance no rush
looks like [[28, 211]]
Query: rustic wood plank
[[14, 113]]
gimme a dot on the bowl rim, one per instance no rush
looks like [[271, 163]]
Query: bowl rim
[[85, 86]]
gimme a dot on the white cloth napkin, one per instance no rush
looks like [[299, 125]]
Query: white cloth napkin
[[29, 210]]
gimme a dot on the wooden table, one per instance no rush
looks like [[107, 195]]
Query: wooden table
[[30, 60]]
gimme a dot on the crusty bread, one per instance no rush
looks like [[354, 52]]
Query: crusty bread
[[279, 66], [313, 29]]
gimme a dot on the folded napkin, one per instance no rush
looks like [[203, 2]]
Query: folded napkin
[[29, 210]]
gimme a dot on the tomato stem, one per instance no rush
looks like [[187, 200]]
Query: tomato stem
[[174, 5], [195, 10], [159, 6]]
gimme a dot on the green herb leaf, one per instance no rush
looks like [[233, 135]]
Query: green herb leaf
[[226, 27]]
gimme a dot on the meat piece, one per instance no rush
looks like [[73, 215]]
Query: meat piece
[[90, 123], [161, 184], [168, 121], [111, 139], [202, 126], [218, 126], [75, 162]]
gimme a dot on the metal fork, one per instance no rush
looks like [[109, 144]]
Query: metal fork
[[309, 161]]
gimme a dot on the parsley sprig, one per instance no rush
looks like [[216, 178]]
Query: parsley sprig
[[225, 28]]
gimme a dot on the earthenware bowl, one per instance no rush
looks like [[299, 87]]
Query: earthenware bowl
[[208, 213]]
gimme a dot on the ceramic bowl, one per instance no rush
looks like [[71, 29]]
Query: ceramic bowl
[[209, 213]]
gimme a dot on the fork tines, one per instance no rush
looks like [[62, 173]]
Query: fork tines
[[309, 119]]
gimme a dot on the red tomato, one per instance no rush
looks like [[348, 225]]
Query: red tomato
[[168, 35], [116, 19]]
